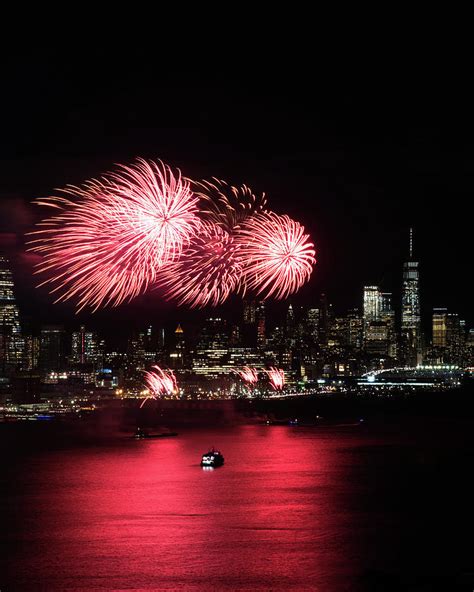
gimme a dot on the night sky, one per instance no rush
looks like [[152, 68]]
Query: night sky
[[358, 157]]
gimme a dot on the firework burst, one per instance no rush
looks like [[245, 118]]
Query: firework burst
[[159, 382], [277, 255], [108, 239], [276, 376], [207, 273], [225, 205], [248, 375]]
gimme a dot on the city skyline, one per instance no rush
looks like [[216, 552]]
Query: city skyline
[[37, 304], [307, 343]]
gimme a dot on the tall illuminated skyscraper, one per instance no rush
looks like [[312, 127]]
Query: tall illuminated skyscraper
[[85, 347], [411, 318], [372, 302], [177, 353], [387, 316], [11, 342], [439, 327], [212, 349], [260, 320], [9, 314], [379, 322]]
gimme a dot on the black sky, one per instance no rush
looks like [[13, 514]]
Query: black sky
[[357, 153]]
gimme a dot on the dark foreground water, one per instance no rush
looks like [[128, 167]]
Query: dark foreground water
[[370, 507]]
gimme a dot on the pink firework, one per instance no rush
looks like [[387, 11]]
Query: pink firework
[[207, 273], [276, 376], [277, 254], [248, 375], [107, 240], [225, 205], [160, 382]]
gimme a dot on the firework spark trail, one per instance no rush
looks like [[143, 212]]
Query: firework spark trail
[[276, 376], [277, 255], [207, 273], [248, 375], [225, 205], [108, 239], [111, 239], [159, 382]]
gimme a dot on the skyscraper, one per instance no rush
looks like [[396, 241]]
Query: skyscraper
[[323, 318], [439, 327], [11, 342], [372, 301], [250, 309], [455, 338], [411, 319], [253, 329], [312, 325], [84, 347], [260, 320], [379, 322], [387, 316], [290, 323], [212, 349], [52, 349], [371, 306], [356, 328], [177, 353]]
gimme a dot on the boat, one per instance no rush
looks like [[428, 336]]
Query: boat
[[140, 433], [213, 458]]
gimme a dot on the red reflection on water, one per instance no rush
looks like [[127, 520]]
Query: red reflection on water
[[145, 515]]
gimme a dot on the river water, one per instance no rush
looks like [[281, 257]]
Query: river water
[[346, 507]]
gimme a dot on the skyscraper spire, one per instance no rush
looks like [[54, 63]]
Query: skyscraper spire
[[411, 320]]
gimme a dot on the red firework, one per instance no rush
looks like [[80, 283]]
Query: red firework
[[207, 273], [225, 205], [276, 376], [277, 255], [248, 375], [111, 237], [160, 382]]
